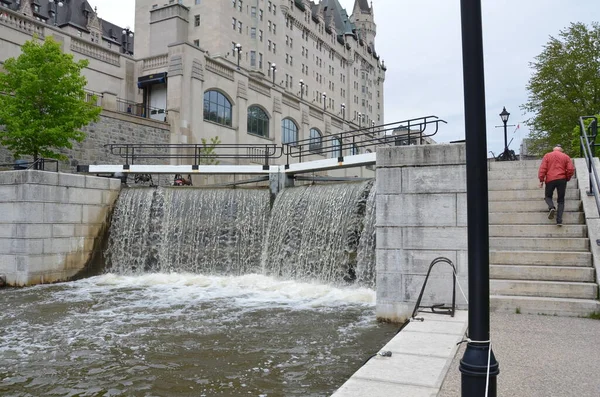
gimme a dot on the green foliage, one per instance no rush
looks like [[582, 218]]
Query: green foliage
[[594, 316], [518, 310], [43, 103], [586, 124], [564, 86], [207, 151]]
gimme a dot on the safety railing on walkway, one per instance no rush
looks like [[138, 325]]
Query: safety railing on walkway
[[39, 164], [362, 140], [141, 110], [587, 140]]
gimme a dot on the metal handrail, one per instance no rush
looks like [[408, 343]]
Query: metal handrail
[[445, 310], [412, 129], [28, 165], [590, 154]]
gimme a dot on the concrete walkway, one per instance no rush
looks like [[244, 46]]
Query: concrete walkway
[[421, 356], [540, 356]]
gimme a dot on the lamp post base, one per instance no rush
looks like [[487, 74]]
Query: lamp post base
[[507, 155], [474, 370]]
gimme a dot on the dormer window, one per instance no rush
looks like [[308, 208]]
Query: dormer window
[[36, 8]]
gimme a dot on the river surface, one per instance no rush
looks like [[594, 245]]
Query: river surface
[[185, 335]]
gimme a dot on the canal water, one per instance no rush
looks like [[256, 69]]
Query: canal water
[[207, 293], [184, 335]]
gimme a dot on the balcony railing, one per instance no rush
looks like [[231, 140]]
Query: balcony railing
[[141, 110]]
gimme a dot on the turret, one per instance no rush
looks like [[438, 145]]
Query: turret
[[364, 20]]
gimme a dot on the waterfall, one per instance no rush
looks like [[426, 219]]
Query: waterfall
[[314, 232], [365, 267], [323, 233], [217, 231]]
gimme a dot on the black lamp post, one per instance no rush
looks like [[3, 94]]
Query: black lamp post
[[238, 49], [54, 5], [273, 69], [301, 83], [127, 33], [324, 95], [478, 366], [343, 111]]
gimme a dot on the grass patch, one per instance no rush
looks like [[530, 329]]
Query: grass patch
[[594, 316], [518, 310]]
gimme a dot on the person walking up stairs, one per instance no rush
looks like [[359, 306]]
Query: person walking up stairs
[[556, 170], [536, 267]]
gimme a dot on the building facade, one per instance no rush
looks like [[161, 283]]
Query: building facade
[[246, 71]]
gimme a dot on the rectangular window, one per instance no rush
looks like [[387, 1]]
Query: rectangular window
[[270, 27], [274, 29], [260, 35], [197, 2], [291, 60], [274, 51], [240, 5], [253, 11], [269, 45], [253, 58], [234, 3], [274, 9], [253, 33], [240, 26], [197, 43], [260, 12], [196, 20], [269, 6], [260, 60], [291, 42], [234, 23]]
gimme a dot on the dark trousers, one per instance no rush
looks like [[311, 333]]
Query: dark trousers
[[561, 187]]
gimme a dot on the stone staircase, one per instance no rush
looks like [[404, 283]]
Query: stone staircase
[[536, 266]]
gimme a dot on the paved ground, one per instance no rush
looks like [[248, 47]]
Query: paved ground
[[541, 356]]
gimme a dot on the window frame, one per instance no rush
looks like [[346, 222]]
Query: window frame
[[222, 109]]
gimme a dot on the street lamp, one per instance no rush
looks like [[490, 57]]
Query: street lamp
[[54, 9], [506, 154], [301, 83], [238, 49], [274, 69], [359, 120], [478, 367], [324, 95], [127, 33], [343, 111]]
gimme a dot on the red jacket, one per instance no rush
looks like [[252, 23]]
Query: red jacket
[[556, 165]]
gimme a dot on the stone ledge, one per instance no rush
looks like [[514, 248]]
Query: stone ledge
[[421, 356]]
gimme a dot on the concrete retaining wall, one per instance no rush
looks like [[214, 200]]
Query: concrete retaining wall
[[50, 223], [421, 215]]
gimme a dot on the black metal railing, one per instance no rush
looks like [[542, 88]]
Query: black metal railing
[[141, 110], [588, 150], [39, 164], [413, 131], [400, 133]]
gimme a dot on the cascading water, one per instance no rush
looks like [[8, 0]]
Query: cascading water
[[314, 232], [216, 231], [365, 267]]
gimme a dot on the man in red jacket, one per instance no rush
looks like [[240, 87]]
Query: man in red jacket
[[556, 169]]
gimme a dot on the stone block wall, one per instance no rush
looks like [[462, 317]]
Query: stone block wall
[[421, 215], [113, 127], [51, 224]]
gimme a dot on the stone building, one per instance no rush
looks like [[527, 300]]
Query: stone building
[[247, 71]]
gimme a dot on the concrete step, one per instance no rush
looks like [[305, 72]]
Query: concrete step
[[534, 218], [540, 244], [543, 273], [523, 184], [538, 205], [548, 289], [514, 165], [530, 194], [549, 258], [547, 231], [548, 306]]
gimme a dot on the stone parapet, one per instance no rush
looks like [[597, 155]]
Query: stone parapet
[[421, 215], [51, 224]]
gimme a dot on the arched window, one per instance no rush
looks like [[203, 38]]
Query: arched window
[[289, 132], [336, 147], [258, 121], [354, 150], [217, 108], [316, 141]]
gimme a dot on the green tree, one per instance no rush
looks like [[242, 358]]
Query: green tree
[[565, 85], [207, 151], [43, 103]]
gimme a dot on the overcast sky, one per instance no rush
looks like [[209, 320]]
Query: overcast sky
[[420, 42]]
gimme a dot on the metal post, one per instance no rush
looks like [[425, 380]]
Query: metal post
[[505, 141], [474, 364]]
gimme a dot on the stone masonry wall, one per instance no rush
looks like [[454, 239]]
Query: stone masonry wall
[[51, 224], [421, 215], [113, 127]]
